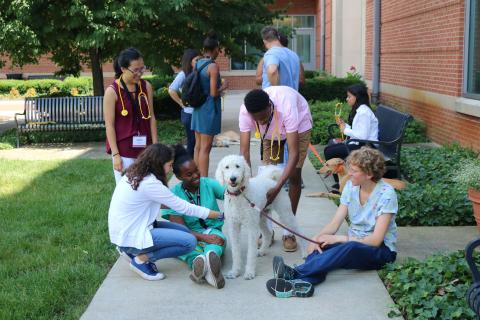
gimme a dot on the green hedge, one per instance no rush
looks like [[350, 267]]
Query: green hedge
[[430, 289], [159, 81], [164, 107], [323, 114], [432, 198], [327, 88], [169, 132], [43, 87]]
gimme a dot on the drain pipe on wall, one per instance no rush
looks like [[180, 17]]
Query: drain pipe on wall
[[322, 35], [376, 50]]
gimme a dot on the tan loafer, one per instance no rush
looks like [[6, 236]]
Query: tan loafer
[[289, 243]]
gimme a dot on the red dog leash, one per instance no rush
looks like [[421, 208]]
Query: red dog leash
[[265, 214]]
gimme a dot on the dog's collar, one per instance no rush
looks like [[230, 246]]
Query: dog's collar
[[236, 193]]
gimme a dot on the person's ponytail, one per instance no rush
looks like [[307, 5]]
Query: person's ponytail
[[116, 68]]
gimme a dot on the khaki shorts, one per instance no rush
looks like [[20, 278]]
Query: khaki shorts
[[303, 143]]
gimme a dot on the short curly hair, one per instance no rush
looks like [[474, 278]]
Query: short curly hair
[[369, 161]]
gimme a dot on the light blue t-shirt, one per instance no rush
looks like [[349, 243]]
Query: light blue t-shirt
[[288, 65], [383, 199], [176, 85]]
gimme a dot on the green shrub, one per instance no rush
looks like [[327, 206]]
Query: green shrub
[[169, 132], [327, 88], [163, 105], [309, 74], [323, 114], [43, 87], [430, 289], [159, 81], [416, 132], [432, 197]]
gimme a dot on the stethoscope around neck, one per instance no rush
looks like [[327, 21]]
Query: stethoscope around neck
[[275, 132], [141, 94]]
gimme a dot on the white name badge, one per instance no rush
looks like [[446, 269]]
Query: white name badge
[[139, 141]]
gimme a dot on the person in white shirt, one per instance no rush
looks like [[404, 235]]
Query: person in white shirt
[[134, 207], [362, 124], [189, 59]]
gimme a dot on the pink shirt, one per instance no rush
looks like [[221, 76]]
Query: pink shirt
[[292, 111]]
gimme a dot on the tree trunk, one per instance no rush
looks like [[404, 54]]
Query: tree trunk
[[97, 72]]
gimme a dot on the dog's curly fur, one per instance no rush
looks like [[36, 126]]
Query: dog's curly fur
[[235, 173]]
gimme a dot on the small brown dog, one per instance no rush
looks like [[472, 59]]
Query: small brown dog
[[337, 166]]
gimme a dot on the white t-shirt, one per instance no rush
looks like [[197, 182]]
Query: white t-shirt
[[132, 212], [176, 85], [364, 125]]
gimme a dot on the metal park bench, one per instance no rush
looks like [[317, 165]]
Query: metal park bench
[[392, 125], [61, 114], [473, 292]]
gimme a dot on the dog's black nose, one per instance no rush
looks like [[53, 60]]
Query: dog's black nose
[[233, 179]]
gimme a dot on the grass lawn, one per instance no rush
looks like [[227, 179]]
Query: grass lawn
[[54, 244]]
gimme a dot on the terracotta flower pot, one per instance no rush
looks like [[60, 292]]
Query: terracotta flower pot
[[474, 196]]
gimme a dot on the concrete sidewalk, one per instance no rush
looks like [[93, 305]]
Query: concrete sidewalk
[[344, 295]]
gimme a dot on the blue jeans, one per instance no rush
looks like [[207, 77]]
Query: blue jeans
[[169, 240], [348, 255], [186, 119]]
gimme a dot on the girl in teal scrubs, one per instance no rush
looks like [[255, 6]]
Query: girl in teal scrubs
[[205, 192]]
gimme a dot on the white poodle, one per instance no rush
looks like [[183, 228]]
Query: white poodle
[[234, 171]]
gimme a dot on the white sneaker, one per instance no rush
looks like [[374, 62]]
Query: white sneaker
[[214, 274], [199, 269]]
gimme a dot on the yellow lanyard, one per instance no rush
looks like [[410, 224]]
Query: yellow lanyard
[[124, 111], [338, 114], [276, 130]]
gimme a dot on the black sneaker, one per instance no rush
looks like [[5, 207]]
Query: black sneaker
[[281, 270], [282, 288]]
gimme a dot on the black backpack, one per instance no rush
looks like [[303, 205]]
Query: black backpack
[[192, 93]]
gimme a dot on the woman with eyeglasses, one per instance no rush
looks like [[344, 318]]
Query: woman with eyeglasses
[[206, 119], [128, 112]]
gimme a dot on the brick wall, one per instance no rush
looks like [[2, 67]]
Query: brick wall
[[297, 6], [422, 49], [443, 125], [328, 35]]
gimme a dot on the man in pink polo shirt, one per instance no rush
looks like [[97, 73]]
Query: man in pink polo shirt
[[278, 114]]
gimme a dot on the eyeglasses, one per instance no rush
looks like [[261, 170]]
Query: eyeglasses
[[138, 71]]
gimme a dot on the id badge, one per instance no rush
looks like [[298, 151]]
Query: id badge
[[139, 141]]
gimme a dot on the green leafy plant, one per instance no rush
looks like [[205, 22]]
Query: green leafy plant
[[416, 132], [169, 132], [469, 174], [323, 114], [431, 289], [353, 74], [432, 197], [327, 88], [44, 87]]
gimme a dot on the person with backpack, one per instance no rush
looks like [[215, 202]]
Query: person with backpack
[[207, 117], [189, 59]]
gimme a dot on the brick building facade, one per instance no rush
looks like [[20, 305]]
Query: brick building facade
[[422, 66]]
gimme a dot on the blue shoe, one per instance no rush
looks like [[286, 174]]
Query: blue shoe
[[281, 270], [282, 288], [127, 256], [146, 270]]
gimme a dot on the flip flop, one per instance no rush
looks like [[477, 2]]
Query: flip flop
[[282, 288]]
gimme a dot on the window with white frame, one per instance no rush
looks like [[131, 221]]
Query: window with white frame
[[472, 50]]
